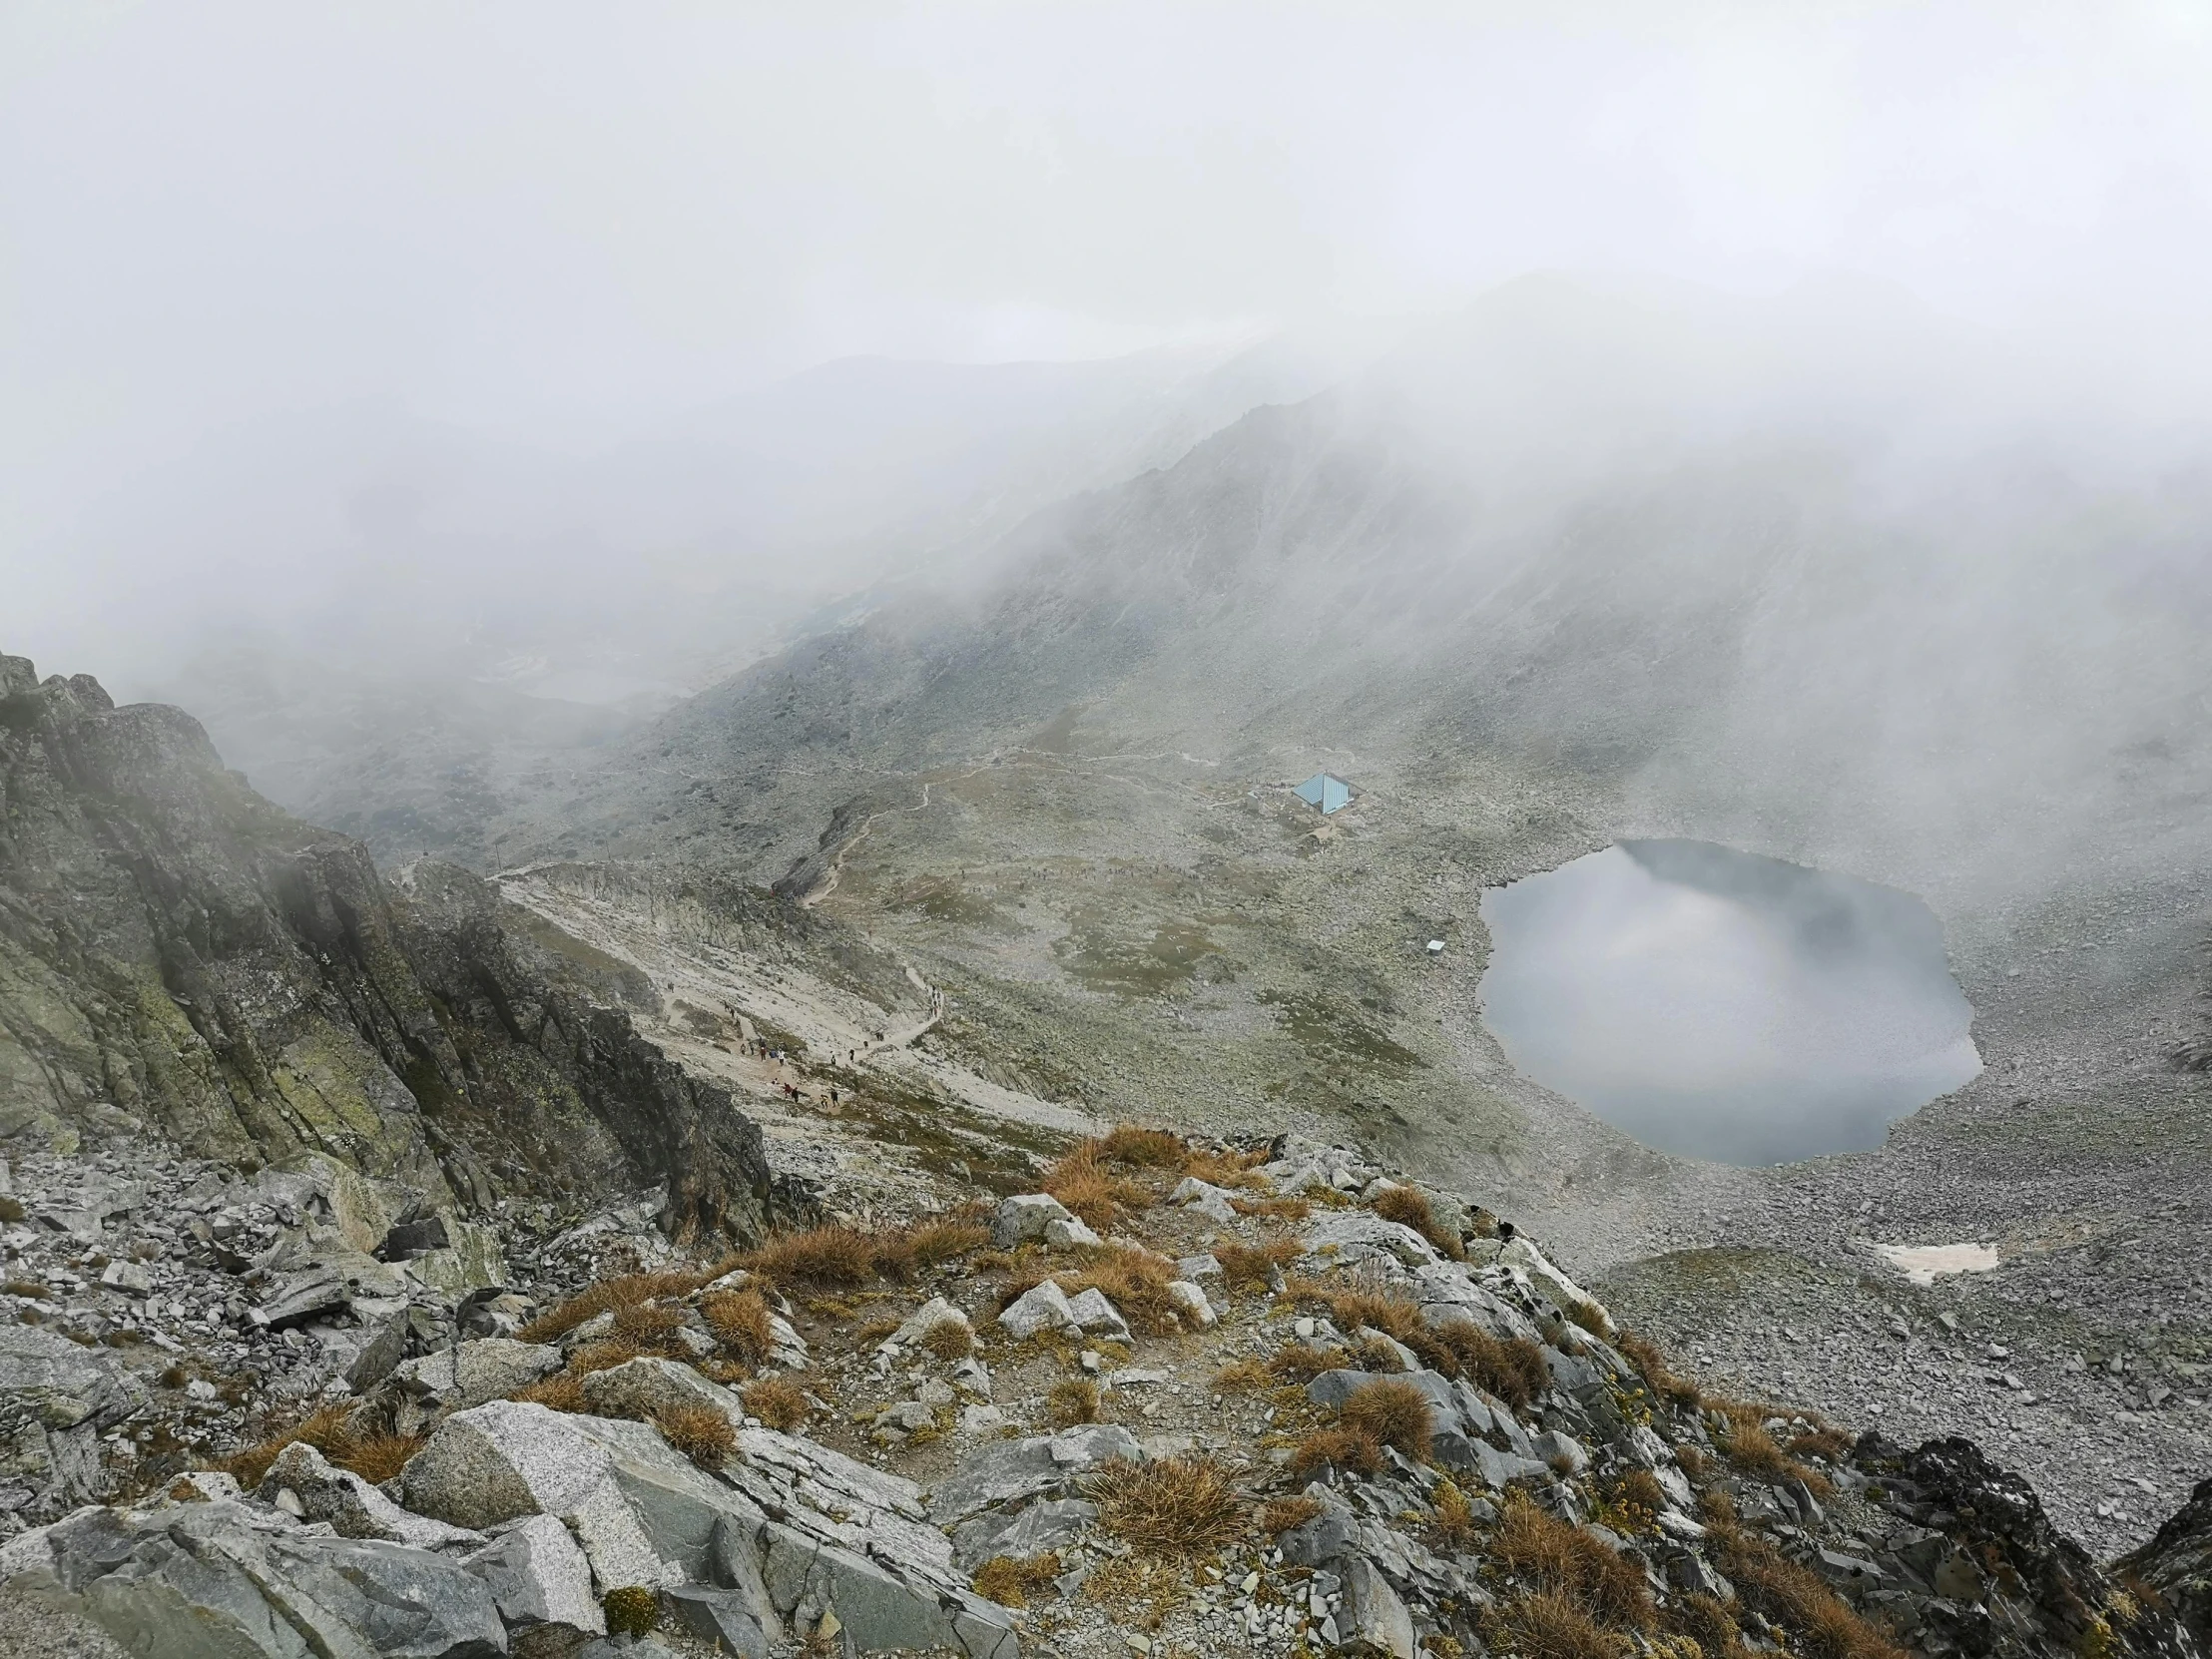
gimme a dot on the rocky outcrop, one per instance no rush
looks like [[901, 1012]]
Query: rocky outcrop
[[2176, 1565], [176, 952]]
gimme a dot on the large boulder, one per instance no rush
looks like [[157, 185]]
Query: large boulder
[[56, 1400], [1037, 1218], [1005, 1471], [537, 1574], [353, 1507], [222, 1579], [639, 1388], [471, 1374]]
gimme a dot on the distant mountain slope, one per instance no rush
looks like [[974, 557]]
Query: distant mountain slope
[[1790, 572]]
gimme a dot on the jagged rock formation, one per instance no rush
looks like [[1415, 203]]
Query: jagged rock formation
[[177, 952], [2176, 1565]]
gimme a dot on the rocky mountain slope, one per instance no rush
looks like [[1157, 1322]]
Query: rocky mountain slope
[[1273, 1400], [1583, 567], [178, 956], [376, 1287]]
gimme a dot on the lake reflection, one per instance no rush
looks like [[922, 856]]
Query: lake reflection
[[1721, 1005]]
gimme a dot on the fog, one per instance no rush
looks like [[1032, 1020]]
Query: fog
[[489, 343]]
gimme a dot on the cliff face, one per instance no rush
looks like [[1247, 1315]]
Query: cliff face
[[179, 953]]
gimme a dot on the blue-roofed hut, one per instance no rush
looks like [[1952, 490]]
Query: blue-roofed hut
[[1326, 790]]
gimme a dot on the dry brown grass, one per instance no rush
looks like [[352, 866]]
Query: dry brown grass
[[1511, 1368], [1182, 1506], [1249, 1267], [1230, 1170], [1011, 1582], [1637, 1497], [1281, 1209], [1552, 1625], [1126, 1143], [822, 1256], [1338, 1447], [564, 1393], [778, 1402], [939, 1242], [948, 1340], [1771, 1583], [1091, 1191], [1301, 1364], [1707, 1621], [650, 1328], [1745, 1442], [611, 1295], [1456, 1523], [1246, 1376], [602, 1357], [1590, 1317], [1820, 1442], [1409, 1207], [1136, 1281], [367, 1452], [700, 1432], [1280, 1514], [1645, 1354], [740, 1321], [1554, 1555], [1072, 1399], [1393, 1414]]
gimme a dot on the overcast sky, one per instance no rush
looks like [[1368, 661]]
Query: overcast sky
[[556, 221]]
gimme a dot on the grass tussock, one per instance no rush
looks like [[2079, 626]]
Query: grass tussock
[[1280, 1514], [1670, 1385], [1745, 1441], [778, 1402], [1409, 1207], [1246, 1376], [650, 1328], [368, 1452], [939, 1242], [1337, 1447], [1134, 1281], [1182, 1506], [564, 1393], [1251, 1267], [602, 1357], [1591, 1317], [1278, 1208], [612, 1294], [1092, 1192], [830, 1256], [1126, 1143], [1551, 1555], [1072, 1401], [740, 1321], [1455, 1514], [1301, 1364], [700, 1432], [1010, 1581], [948, 1340], [1512, 1369], [1393, 1414], [1707, 1621], [1550, 1624], [1794, 1597]]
